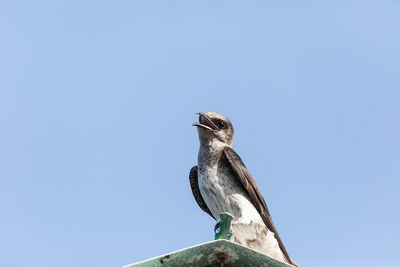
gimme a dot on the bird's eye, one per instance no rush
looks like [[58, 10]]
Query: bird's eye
[[221, 124]]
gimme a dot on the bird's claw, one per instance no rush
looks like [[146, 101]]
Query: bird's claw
[[216, 227]]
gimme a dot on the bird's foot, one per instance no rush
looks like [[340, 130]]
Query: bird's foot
[[217, 227]]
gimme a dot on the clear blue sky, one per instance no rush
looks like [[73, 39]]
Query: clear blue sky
[[97, 100]]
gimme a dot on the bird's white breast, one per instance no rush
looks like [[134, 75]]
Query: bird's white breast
[[223, 193]]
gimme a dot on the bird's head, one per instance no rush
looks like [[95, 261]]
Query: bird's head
[[214, 128]]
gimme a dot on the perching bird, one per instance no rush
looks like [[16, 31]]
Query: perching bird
[[221, 183]]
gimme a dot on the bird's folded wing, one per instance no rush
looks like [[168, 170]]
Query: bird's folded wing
[[249, 184], [194, 184]]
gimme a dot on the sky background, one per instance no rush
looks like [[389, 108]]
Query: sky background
[[97, 99]]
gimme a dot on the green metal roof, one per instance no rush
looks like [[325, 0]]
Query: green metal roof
[[220, 252], [215, 253]]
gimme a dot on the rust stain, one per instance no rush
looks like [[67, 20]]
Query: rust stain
[[163, 259], [222, 258]]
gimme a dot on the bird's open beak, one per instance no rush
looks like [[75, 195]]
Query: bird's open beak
[[205, 122]]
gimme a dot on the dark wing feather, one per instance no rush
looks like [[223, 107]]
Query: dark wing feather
[[258, 201], [194, 184]]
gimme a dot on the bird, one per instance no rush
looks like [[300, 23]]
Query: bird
[[222, 183]]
